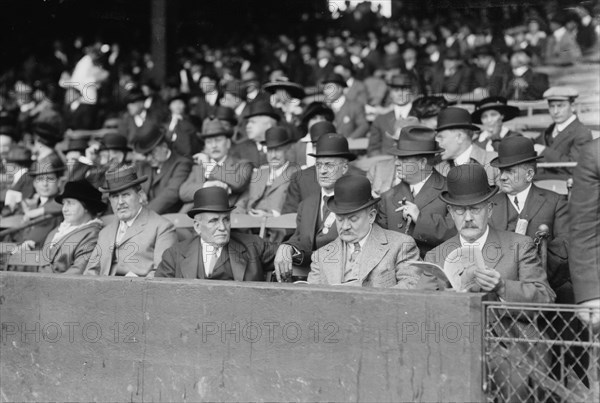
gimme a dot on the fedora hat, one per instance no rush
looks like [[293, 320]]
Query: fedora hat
[[277, 136], [494, 103], [47, 165], [77, 145], [316, 108], [134, 95], [19, 154], [227, 114], [514, 150], [282, 83], [212, 127], [262, 108], [211, 199], [468, 185], [401, 81], [351, 194], [83, 191], [148, 138], [47, 133], [454, 118], [319, 129], [120, 178], [334, 78], [333, 145], [114, 141], [416, 140]]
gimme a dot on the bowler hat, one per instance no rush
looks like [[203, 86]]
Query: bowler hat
[[468, 185], [212, 127], [211, 199], [19, 154], [316, 108], [454, 118], [345, 62], [514, 150], [227, 114], [83, 191], [120, 178], [77, 145], [401, 81], [262, 108], [277, 136], [494, 103], [333, 145], [47, 165], [486, 50], [334, 78], [114, 141], [319, 129], [352, 193], [134, 95], [47, 133], [282, 83], [8, 130], [148, 138], [416, 140]]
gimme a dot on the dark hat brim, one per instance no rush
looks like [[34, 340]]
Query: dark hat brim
[[295, 90], [331, 205], [47, 171], [125, 186], [411, 153], [145, 150], [209, 209], [348, 156], [471, 200], [124, 149], [496, 163], [96, 205], [279, 144], [319, 110], [273, 115], [464, 126], [337, 82], [509, 112], [227, 134]]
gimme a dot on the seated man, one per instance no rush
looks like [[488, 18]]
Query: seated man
[[269, 184], [314, 113], [165, 169], [216, 253], [563, 140], [524, 84], [350, 118], [363, 254], [133, 244], [216, 167], [492, 113], [413, 206]]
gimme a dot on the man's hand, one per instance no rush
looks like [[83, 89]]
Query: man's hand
[[220, 184], [258, 213], [283, 263], [33, 213], [201, 158], [539, 148], [409, 210], [489, 280], [590, 316]]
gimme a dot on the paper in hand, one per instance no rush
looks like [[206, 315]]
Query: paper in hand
[[430, 269], [460, 265]]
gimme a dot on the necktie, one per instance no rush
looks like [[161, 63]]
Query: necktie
[[355, 253], [451, 163], [325, 210], [412, 191], [212, 255], [555, 131], [517, 204], [121, 231]]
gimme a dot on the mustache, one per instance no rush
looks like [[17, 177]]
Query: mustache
[[470, 226]]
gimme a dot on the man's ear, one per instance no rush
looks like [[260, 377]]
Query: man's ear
[[197, 226], [372, 215], [345, 168]]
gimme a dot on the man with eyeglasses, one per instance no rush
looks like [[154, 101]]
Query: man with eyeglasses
[[315, 223]]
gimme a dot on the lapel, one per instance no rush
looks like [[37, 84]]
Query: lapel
[[165, 170], [533, 204], [136, 228], [192, 264], [220, 171], [238, 259], [377, 247], [57, 247], [107, 248], [478, 154], [281, 179], [430, 190], [492, 250], [565, 135], [334, 260], [259, 185], [500, 212]]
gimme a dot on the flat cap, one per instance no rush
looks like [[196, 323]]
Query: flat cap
[[562, 93]]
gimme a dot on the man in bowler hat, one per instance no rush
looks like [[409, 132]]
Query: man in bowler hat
[[215, 253], [131, 245], [363, 254]]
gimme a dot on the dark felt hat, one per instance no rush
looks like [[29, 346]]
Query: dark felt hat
[[295, 90], [468, 185], [333, 145], [114, 141], [401, 81], [319, 129], [494, 103], [77, 145], [236, 88], [148, 138], [262, 108], [484, 50], [352, 193], [513, 151], [47, 165], [455, 118], [211, 199], [121, 178], [134, 95], [179, 97], [428, 107], [316, 108], [47, 133], [83, 191], [277, 136], [334, 78], [212, 127], [227, 114], [19, 154], [416, 140]]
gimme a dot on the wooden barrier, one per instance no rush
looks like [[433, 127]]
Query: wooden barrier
[[73, 338]]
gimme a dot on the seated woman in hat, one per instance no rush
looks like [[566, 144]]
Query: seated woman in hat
[[69, 246], [491, 113]]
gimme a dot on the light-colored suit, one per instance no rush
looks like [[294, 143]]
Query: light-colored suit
[[262, 197], [139, 252], [382, 263]]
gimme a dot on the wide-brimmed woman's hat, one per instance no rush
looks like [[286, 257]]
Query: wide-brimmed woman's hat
[[51, 164], [211, 199], [333, 145], [468, 185], [514, 150], [87, 194], [352, 193], [494, 103], [47, 133], [120, 178], [77, 145], [455, 118], [114, 141], [416, 140], [314, 109], [282, 83]]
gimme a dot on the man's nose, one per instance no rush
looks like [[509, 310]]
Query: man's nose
[[468, 215]]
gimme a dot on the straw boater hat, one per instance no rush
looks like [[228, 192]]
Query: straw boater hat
[[121, 178], [468, 185], [416, 140], [352, 193], [513, 151], [211, 199]]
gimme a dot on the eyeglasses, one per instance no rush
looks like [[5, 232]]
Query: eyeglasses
[[328, 166], [461, 210]]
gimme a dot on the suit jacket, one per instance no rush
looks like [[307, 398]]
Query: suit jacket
[[382, 263], [382, 129], [357, 92], [495, 143], [249, 256], [235, 172], [496, 83], [584, 216], [462, 81], [434, 225], [563, 52], [183, 138], [537, 84], [71, 253], [541, 207], [567, 146], [38, 232], [515, 257], [262, 197], [351, 120], [129, 129], [296, 154], [163, 188], [247, 150], [478, 155], [139, 251], [303, 183]]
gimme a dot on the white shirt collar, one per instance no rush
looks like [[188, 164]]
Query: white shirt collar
[[210, 254], [211, 97], [479, 242], [402, 111], [337, 105], [465, 157], [43, 200], [240, 108], [362, 242], [416, 188], [559, 33], [490, 69], [521, 197], [519, 71], [562, 126]]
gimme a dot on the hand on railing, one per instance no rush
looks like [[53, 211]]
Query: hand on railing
[[590, 316]]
